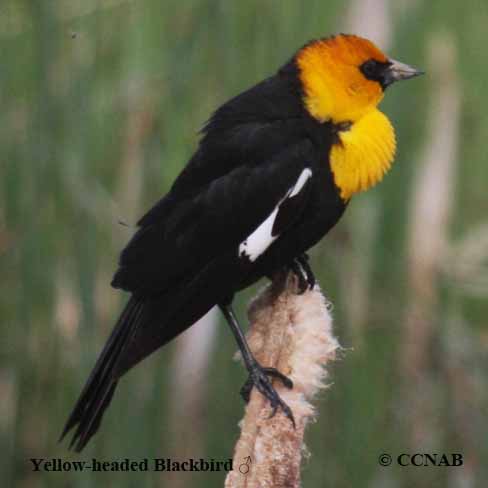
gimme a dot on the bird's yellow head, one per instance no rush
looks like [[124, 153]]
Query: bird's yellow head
[[334, 84], [343, 79]]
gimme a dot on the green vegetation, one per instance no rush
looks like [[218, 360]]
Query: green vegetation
[[101, 105]]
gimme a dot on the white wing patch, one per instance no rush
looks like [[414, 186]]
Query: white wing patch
[[261, 238], [302, 179]]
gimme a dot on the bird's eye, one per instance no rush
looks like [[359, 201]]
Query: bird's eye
[[369, 69]]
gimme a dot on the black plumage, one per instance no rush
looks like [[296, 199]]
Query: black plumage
[[191, 250]]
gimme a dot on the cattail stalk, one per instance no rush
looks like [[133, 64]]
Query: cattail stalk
[[294, 334]]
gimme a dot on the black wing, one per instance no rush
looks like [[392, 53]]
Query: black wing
[[196, 229]]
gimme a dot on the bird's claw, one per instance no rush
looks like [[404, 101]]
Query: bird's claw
[[254, 377], [302, 270], [258, 377]]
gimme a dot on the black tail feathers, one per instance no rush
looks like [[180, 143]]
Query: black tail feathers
[[100, 386]]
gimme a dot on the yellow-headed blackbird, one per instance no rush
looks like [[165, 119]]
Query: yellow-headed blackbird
[[275, 168]]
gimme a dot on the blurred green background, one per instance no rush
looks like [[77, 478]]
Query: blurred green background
[[101, 102]]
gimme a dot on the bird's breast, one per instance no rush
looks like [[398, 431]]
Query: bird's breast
[[362, 154]]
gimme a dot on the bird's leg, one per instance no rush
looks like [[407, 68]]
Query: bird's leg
[[301, 267], [258, 375], [304, 261]]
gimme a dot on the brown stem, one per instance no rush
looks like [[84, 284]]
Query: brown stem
[[292, 333]]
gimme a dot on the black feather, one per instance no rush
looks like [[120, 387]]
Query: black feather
[[101, 384]]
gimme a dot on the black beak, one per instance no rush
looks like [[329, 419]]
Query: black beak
[[397, 71]]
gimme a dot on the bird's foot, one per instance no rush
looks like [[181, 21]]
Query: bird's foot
[[302, 270], [258, 377]]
